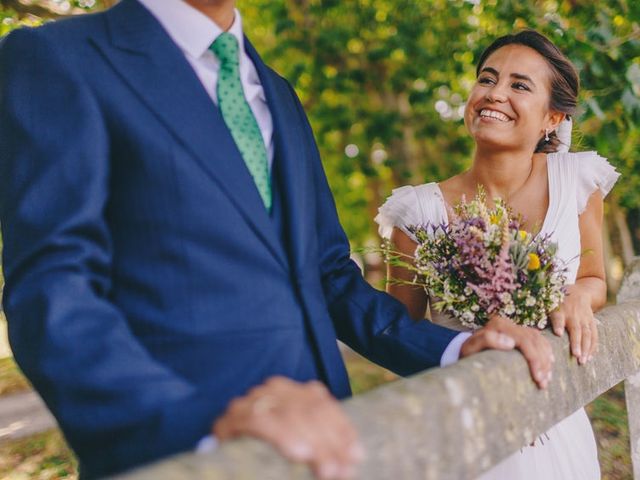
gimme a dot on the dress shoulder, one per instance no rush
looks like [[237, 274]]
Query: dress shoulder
[[592, 172], [409, 206]]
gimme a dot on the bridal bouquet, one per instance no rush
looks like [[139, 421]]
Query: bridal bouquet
[[482, 263]]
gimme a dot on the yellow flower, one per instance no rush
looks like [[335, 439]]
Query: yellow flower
[[534, 262], [523, 235]]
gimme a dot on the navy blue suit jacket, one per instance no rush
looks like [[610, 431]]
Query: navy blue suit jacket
[[146, 285]]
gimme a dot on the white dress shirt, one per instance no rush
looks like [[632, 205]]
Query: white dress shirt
[[194, 33], [451, 354]]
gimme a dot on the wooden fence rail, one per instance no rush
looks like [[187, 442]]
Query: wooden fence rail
[[456, 422]]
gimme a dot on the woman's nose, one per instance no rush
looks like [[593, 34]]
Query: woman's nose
[[497, 94]]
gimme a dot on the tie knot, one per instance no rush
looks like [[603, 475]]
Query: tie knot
[[225, 48]]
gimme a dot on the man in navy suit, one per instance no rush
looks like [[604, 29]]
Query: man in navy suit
[[171, 244]]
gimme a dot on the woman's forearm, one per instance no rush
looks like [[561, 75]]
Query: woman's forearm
[[593, 288]]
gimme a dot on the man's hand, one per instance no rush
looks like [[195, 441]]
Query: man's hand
[[303, 421], [502, 334]]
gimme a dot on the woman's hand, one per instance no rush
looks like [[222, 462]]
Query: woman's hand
[[500, 333], [576, 316], [589, 293]]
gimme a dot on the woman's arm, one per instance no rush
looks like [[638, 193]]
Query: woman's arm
[[589, 293], [413, 297], [591, 280]]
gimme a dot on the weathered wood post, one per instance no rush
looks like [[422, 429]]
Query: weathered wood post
[[629, 291]]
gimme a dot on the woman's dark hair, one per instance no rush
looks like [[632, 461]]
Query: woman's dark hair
[[565, 82]]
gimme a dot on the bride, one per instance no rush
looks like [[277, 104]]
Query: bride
[[518, 115]]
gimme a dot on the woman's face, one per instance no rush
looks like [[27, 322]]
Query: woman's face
[[508, 107]]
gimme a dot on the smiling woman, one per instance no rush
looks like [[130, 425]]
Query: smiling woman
[[525, 89], [551, 71]]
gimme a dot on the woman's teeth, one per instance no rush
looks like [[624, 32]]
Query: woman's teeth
[[493, 114]]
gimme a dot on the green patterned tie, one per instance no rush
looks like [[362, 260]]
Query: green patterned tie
[[238, 115]]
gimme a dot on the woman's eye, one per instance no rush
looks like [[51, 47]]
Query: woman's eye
[[485, 80], [521, 86]]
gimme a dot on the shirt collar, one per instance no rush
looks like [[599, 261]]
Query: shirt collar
[[189, 28]]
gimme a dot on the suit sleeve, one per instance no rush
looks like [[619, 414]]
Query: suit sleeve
[[370, 321], [108, 394]]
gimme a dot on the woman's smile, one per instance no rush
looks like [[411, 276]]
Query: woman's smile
[[492, 116], [511, 94]]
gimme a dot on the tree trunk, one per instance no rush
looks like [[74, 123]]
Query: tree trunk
[[613, 282], [626, 241]]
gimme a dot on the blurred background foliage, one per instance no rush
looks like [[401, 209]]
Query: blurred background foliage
[[384, 83]]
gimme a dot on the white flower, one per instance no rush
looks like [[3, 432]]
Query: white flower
[[468, 317], [509, 309], [530, 301]]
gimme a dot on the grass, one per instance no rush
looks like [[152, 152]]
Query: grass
[[11, 380], [46, 457], [608, 414]]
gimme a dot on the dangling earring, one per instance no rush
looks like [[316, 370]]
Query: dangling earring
[[546, 134]]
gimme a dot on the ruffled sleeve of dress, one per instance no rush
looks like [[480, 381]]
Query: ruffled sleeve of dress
[[410, 206], [593, 172]]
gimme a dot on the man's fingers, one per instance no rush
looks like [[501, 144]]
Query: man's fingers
[[532, 357], [558, 322], [491, 339], [537, 352], [318, 444], [230, 424], [326, 465], [222, 430], [296, 445], [499, 341], [502, 334], [548, 357], [575, 339], [337, 448], [304, 422], [487, 339], [340, 436]]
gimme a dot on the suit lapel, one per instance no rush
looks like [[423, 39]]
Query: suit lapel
[[290, 152], [155, 68]]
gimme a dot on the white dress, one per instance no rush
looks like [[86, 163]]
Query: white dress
[[568, 450]]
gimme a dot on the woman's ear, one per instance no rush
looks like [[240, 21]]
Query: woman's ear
[[555, 118]]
